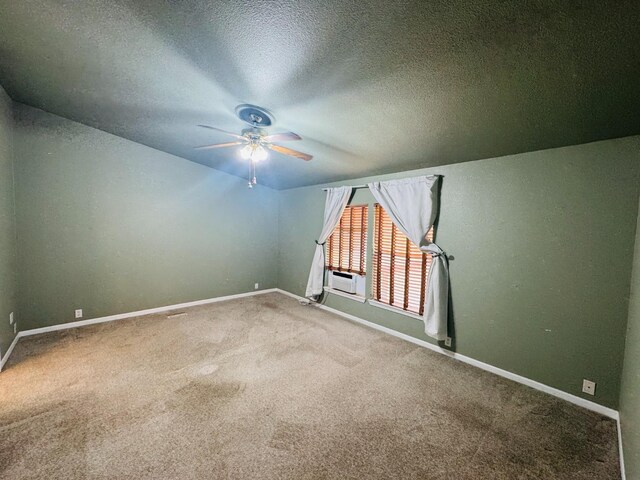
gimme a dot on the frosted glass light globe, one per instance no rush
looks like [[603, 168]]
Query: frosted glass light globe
[[246, 152], [259, 154]]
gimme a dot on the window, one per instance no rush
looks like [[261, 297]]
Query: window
[[347, 245], [400, 269]]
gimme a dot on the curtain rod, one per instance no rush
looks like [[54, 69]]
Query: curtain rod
[[352, 186], [365, 185]]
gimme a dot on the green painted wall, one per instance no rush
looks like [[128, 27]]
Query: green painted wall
[[542, 245], [630, 391], [8, 301], [110, 226]]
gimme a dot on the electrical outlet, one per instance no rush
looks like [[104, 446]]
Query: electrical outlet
[[256, 286], [11, 318], [589, 387], [447, 342], [79, 313]]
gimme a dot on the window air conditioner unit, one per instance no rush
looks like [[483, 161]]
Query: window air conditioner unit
[[345, 282]]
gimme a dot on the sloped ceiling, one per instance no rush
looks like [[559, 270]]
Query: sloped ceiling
[[372, 86]]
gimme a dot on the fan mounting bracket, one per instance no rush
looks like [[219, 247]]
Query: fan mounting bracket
[[255, 116]]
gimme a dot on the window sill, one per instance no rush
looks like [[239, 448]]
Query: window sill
[[397, 310], [350, 296]]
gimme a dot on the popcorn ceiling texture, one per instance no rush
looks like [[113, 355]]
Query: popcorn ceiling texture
[[263, 387], [372, 86]]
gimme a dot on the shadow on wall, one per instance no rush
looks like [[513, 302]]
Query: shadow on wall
[[451, 327], [451, 324]]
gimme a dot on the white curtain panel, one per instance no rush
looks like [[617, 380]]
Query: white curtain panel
[[412, 204], [337, 199]]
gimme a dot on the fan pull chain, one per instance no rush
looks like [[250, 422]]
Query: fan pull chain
[[252, 173]]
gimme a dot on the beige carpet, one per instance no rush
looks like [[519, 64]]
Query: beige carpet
[[265, 388]]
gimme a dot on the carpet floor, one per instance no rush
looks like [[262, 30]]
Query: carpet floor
[[265, 388]]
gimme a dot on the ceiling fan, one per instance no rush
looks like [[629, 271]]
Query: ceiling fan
[[255, 139]]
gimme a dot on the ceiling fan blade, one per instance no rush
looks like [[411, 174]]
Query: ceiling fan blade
[[218, 145], [293, 153], [234, 135], [282, 137]]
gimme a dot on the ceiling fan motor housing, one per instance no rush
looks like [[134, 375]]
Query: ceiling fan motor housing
[[254, 115]]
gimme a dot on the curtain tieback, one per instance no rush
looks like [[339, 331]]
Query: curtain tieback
[[434, 250], [318, 243], [441, 254]]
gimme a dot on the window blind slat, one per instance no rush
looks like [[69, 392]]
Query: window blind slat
[[347, 245], [400, 269]]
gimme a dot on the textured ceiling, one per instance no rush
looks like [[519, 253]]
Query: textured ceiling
[[372, 86]]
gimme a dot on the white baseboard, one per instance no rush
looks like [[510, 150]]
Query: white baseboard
[[621, 450], [122, 316], [589, 405], [9, 350]]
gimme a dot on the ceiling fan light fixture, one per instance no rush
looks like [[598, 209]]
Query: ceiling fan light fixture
[[259, 154], [254, 152], [246, 151], [255, 141]]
